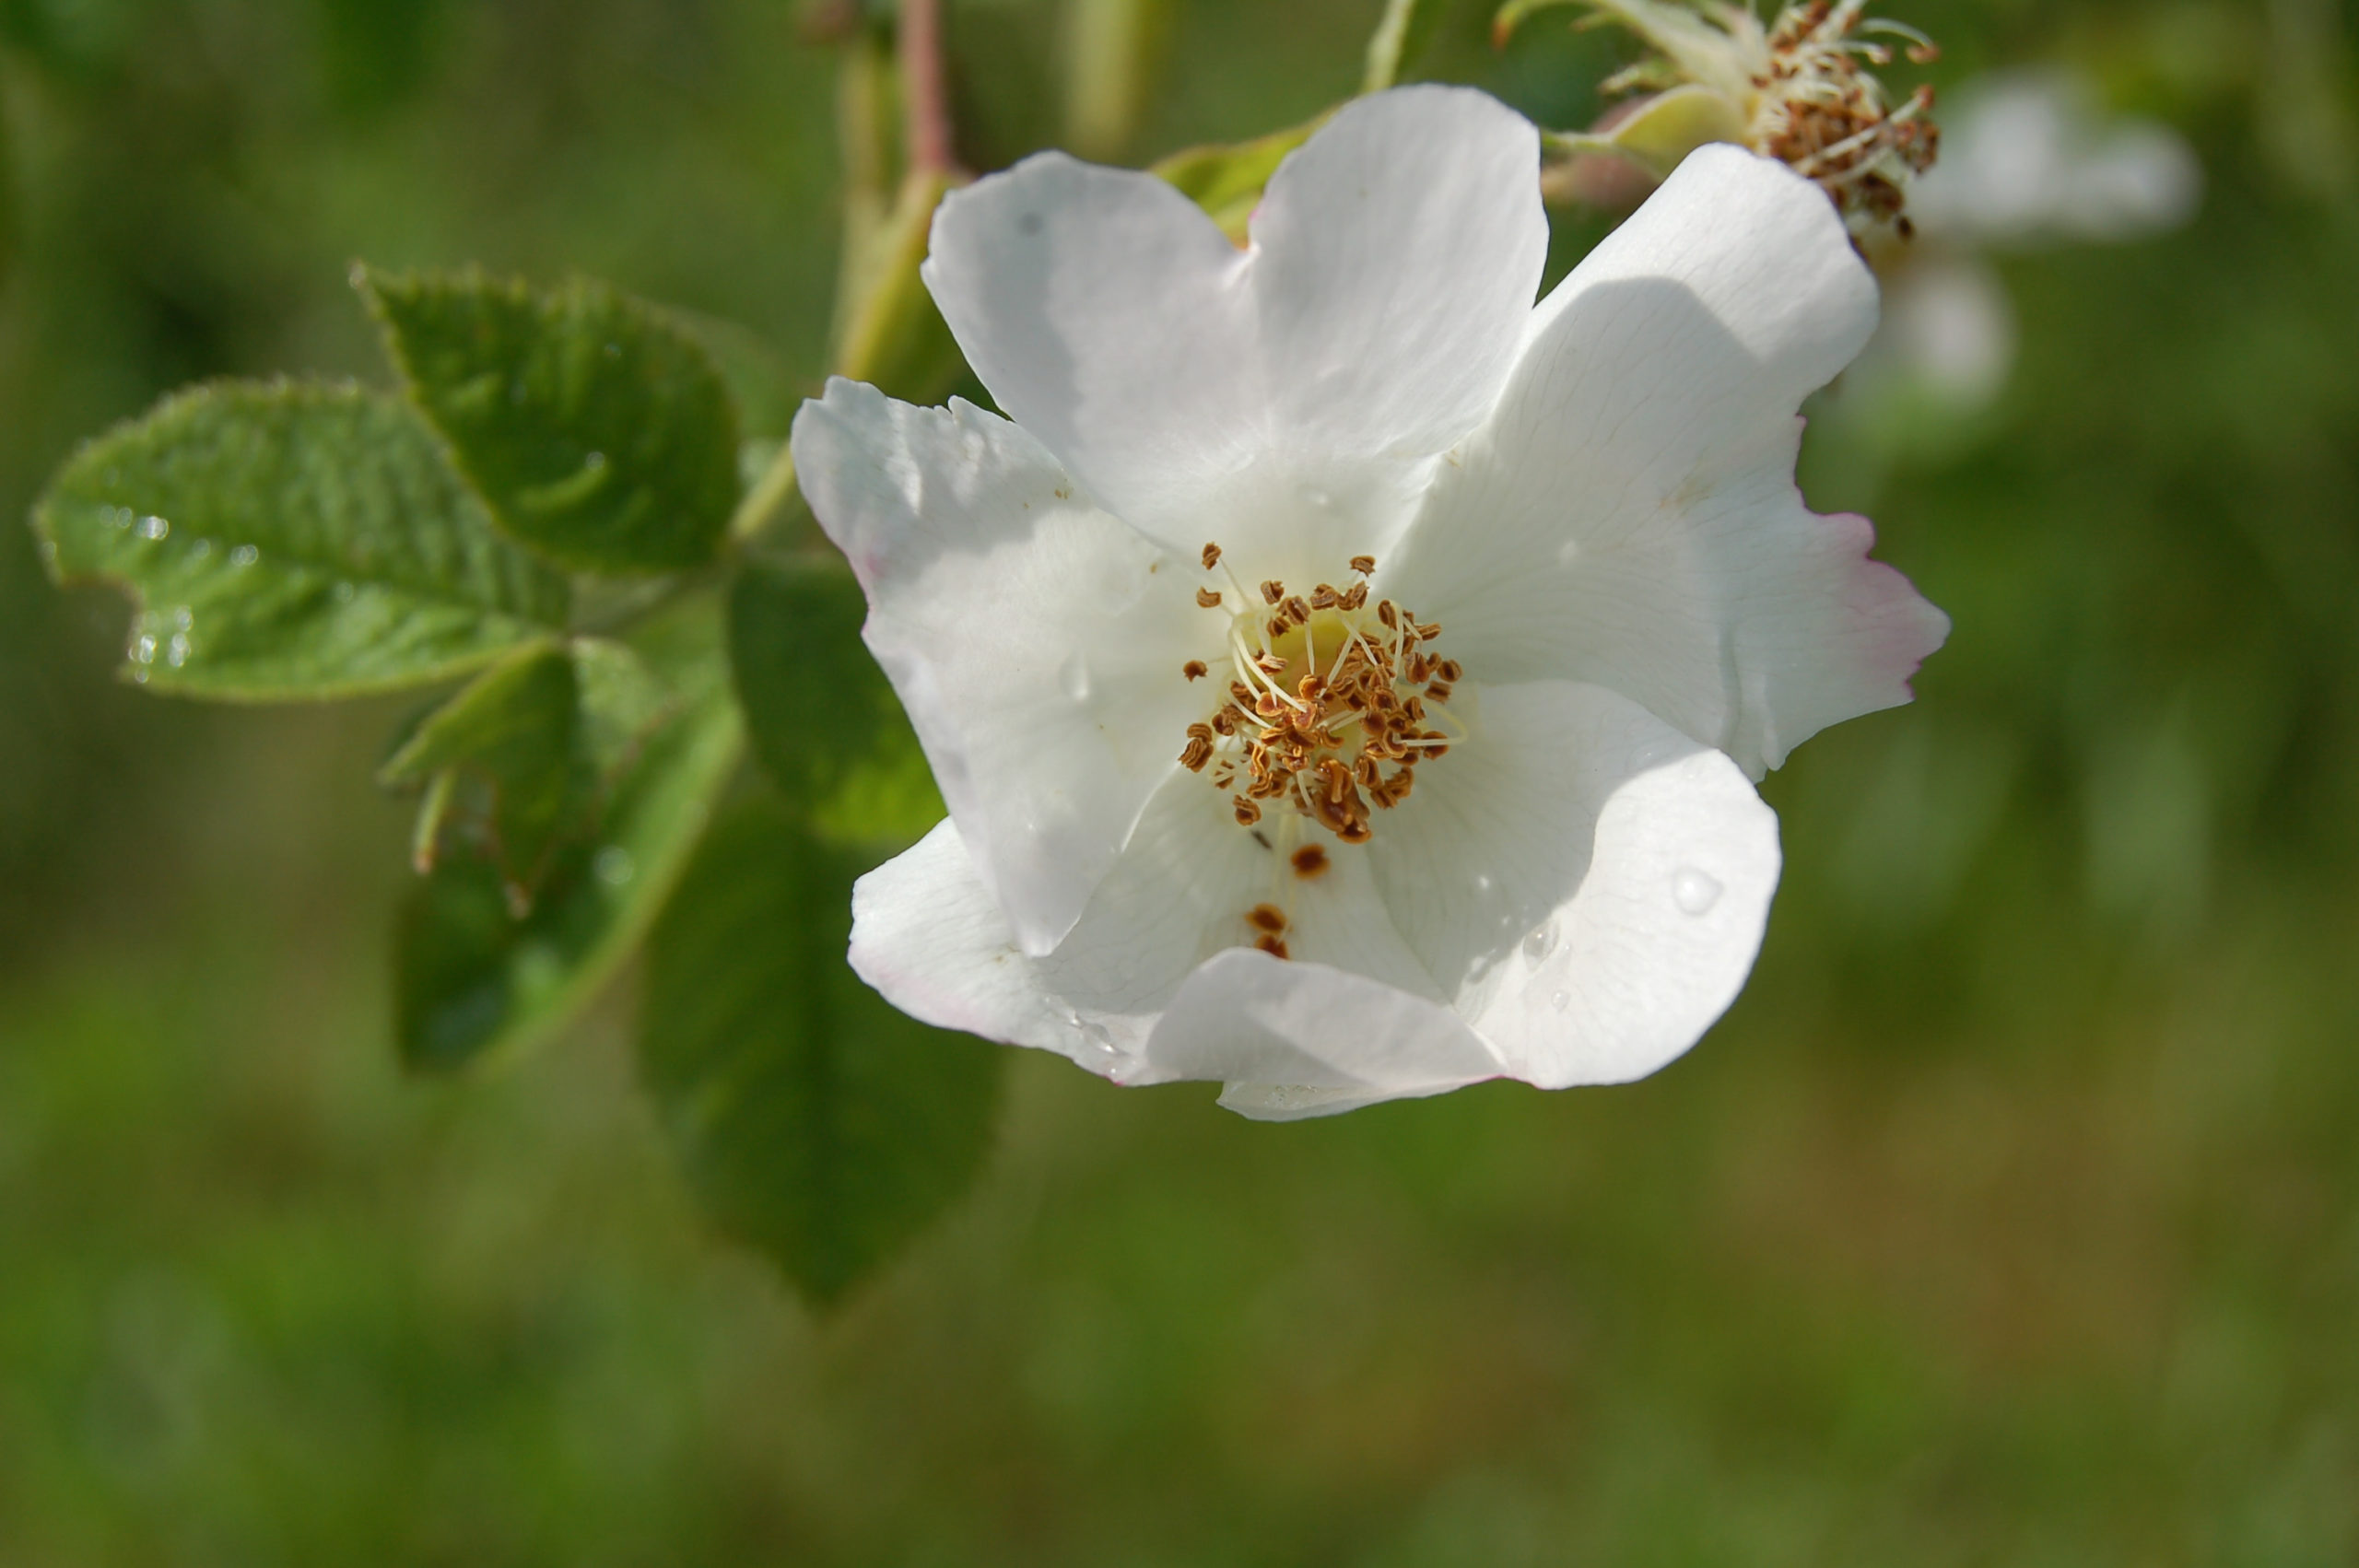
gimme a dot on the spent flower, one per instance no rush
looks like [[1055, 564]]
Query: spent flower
[[1798, 89], [1347, 678]]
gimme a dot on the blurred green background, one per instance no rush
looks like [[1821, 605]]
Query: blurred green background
[[2011, 1217]]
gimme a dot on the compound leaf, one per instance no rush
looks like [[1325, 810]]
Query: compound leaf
[[474, 976], [290, 541], [596, 430]]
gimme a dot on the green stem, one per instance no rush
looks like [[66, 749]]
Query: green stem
[[1386, 45], [769, 500]]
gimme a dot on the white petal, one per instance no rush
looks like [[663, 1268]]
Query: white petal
[[1281, 399], [1400, 250], [1036, 642], [1182, 890], [1629, 516], [1589, 885], [1293, 1039], [929, 936]]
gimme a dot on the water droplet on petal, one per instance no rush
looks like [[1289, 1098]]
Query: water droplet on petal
[[201, 549], [594, 462], [345, 593], [1695, 892], [1073, 676], [178, 652], [184, 617], [1541, 942], [143, 650], [615, 866], [153, 528], [1561, 1000]]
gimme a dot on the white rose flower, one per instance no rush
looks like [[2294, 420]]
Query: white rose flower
[[1345, 677]]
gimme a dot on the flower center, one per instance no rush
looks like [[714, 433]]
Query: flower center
[[1332, 702]]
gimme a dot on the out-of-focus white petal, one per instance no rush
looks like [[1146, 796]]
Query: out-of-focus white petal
[[1949, 328], [1281, 398], [1294, 1039], [1587, 885], [1036, 642], [1629, 516], [2027, 159]]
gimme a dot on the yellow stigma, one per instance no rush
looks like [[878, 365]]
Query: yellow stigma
[[1331, 704]]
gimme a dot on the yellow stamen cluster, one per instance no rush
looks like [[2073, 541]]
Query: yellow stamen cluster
[[1330, 707], [1824, 116]]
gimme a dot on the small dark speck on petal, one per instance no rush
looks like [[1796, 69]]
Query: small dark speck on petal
[[1028, 224]]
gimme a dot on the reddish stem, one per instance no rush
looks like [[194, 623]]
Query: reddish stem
[[920, 38]]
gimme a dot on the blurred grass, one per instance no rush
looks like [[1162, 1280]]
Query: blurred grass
[[2011, 1217]]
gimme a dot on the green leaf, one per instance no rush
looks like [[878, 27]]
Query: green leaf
[[822, 717], [472, 977], [813, 1121], [1226, 180], [291, 541], [597, 431], [1401, 37], [527, 753]]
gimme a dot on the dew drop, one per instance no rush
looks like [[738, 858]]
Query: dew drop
[[1561, 1000], [1695, 892], [344, 592], [139, 677], [122, 517], [613, 866], [594, 462], [143, 650], [153, 528], [1073, 676], [184, 617], [244, 555], [1541, 942], [201, 549], [178, 652]]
